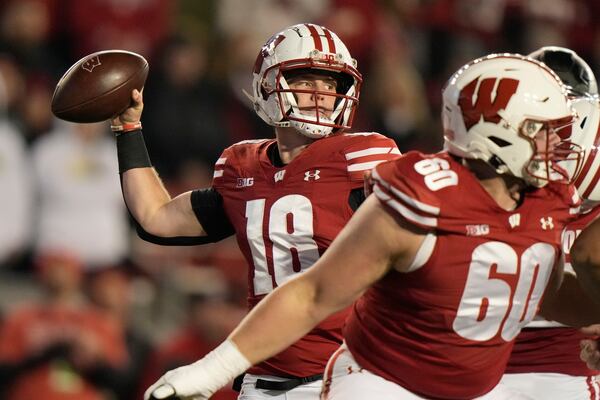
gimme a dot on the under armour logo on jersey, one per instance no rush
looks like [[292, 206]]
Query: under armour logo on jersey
[[514, 220], [279, 176], [547, 223], [314, 175], [90, 64], [244, 182]]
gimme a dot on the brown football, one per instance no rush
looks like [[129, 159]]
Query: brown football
[[99, 86]]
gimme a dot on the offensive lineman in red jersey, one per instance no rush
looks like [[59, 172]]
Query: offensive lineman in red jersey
[[449, 258], [285, 199], [545, 363]]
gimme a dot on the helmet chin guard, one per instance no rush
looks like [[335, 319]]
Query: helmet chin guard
[[312, 49]]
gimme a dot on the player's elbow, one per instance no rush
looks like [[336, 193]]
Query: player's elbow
[[326, 301]]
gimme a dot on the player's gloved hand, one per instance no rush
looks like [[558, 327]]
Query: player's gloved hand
[[189, 382], [183, 383], [198, 381], [163, 392]]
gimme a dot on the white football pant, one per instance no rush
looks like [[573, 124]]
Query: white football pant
[[348, 381], [554, 386]]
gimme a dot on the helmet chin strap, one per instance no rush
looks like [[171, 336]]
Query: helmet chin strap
[[313, 131]]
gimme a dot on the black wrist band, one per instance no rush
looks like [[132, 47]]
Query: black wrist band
[[132, 152]]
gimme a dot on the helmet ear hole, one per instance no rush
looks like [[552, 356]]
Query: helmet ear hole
[[499, 142], [263, 93]]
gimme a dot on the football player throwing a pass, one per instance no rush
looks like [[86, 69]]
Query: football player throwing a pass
[[285, 199]]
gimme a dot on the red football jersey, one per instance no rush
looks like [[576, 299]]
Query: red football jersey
[[286, 217], [445, 329], [547, 346]]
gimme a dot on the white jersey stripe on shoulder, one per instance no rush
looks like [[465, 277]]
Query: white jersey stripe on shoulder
[[429, 209], [404, 211], [364, 166], [218, 174], [363, 134], [250, 141], [371, 151], [221, 161]]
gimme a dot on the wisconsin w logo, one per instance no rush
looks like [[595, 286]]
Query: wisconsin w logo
[[484, 105], [266, 50]]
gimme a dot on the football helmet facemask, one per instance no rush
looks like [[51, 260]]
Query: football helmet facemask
[[304, 48], [512, 112], [586, 176]]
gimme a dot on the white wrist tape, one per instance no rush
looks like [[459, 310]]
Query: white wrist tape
[[206, 376]]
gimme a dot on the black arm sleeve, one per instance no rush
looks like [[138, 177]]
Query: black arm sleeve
[[356, 198], [208, 208]]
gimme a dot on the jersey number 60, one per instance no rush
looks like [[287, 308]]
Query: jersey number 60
[[490, 304]]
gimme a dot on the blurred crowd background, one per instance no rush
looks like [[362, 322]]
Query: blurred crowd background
[[88, 310]]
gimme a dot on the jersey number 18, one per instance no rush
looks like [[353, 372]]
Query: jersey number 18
[[289, 230]]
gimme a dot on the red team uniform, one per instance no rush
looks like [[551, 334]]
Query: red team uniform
[[473, 285], [548, 346], [286, 217]]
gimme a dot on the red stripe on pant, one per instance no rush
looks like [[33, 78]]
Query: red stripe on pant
[[592, 387], [328, 376]]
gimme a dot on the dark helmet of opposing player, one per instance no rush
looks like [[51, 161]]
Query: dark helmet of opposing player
[[298, 49], [575, 73]]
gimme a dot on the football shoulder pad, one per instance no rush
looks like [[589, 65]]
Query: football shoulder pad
[[415, 184], [240, 155], [363, 151]]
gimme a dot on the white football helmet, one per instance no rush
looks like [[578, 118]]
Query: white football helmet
[[586, 134], [297, 49], [575, 73], [495, 109]]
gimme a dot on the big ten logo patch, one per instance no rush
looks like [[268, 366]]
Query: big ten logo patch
[[244, 182]]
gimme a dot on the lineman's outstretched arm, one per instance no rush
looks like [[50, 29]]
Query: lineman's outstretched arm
[[373, 242], [566, 302], [585, 258]]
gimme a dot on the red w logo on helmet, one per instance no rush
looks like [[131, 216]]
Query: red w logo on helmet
[[266, 50], [484, 105]]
